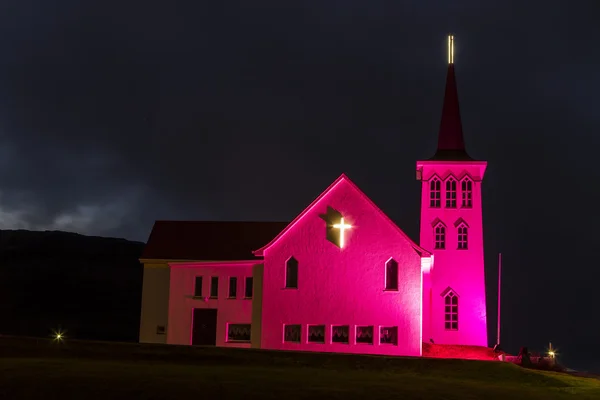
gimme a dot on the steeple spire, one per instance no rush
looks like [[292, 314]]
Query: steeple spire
[[451, 145]]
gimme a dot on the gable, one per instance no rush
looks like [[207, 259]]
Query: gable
[[321, 203]]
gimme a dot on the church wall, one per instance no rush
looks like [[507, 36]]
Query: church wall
[[343, 286], [229, 311], [461, 270], [155, 300]]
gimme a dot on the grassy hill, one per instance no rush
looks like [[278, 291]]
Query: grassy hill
[[33, 368], [90, 286]]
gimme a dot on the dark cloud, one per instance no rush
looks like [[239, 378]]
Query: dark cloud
[[113, 115]]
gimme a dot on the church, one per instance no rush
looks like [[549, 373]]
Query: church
[[341, 277]]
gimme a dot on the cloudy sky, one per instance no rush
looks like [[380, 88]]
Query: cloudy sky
[[114, 114]]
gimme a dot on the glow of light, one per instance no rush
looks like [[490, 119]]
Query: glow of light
[[59, 336], [450, 49], [342, 226]]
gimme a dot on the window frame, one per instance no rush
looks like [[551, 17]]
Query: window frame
[[198, 288], [229, 325], [395, 281], [347, 332], [462, 235], [233, 284], [395, 328], [356, 329], [439, 238], [466, 193], [295, 265], [251, 286], [214, 294], [450, 194], [451, 308], [308, 333], [435, 192]]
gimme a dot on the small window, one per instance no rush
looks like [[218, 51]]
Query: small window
[[451, 193], [291, 273], [435, 193], [316, 334], [340, 334], [440, 236], [388, 335], [391, 275], [291, 333], [463, 237], [214, 287], [466, 187], [160, 330], [364, 335], [248, 287], [232, 287], [238, 332], [451, 311], [198, 287]]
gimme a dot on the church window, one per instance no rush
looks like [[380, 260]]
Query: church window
[[248, 287], [435, 193], [238, 332], [451, 193], [232, 287], [463, 237], [291, 273], [440, 236], [316, 333], [364, 335], [451, 311], [388, 335], [466, 188], [214, 287], [391, 275], [340, 334], [291, 333], [198, 287]]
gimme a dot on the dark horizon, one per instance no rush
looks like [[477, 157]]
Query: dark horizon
[[113, 117]]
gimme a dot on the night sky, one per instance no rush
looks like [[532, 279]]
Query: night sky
[[114, 114]]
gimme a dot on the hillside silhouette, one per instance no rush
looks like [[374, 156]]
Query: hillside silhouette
[[88, 286]]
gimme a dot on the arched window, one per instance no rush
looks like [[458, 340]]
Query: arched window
[[435, 193], [451, 193], [291, 273], [463, 237], [466, 188], [451, 311], [440, 236], [391, 275]]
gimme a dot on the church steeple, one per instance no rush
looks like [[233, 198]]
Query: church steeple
[[451, 145]]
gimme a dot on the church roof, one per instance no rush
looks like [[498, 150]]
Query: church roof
[[209, 240], [451, 144]]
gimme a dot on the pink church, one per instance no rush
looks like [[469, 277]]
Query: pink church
[[341, 277]]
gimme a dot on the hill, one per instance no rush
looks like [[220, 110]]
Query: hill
[[89, 286], [33, 368]]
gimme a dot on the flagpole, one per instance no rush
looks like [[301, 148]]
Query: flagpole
[[499, 289]]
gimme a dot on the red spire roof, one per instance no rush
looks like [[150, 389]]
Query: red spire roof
[[451, 145]]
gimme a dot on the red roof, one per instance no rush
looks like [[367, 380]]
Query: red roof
[[451, 144], [209, 240]]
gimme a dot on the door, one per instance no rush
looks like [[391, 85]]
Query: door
[[204, 328]]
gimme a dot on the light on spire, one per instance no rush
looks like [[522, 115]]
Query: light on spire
[[450, 49]]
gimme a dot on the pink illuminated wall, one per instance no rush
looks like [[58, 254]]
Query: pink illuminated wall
[[182, 301], [461, 270], [343, 286]]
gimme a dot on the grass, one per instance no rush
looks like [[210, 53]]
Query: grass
[[123, 371]]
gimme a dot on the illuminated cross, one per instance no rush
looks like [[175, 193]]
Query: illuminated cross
[[450, 49], [342, 226]]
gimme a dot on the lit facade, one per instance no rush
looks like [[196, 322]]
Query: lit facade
[[341, 277]]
